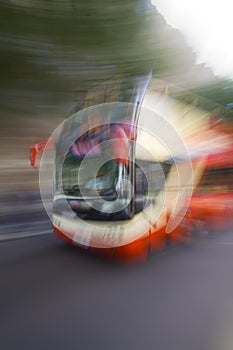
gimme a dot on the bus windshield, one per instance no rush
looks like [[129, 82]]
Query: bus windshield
[[103, 182]]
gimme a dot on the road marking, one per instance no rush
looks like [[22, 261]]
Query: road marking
[[16, 236]]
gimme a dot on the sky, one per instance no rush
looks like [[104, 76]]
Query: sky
[[207, 26]]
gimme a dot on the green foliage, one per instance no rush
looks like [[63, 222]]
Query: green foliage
[[64, 47]]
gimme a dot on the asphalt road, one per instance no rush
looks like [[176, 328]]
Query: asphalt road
[[54, 296]]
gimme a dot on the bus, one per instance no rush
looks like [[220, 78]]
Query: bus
[[119, 192]]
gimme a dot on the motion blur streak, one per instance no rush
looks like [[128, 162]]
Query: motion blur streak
[[51, 55], [54, 55]]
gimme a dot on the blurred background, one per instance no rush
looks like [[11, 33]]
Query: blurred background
[[55, 57]]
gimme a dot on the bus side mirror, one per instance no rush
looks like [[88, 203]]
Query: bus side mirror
[[35, 154]]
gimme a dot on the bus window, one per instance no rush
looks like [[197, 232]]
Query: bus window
[[96, 175], [217, 180]]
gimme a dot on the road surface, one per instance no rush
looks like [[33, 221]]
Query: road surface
[[54, 296]]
